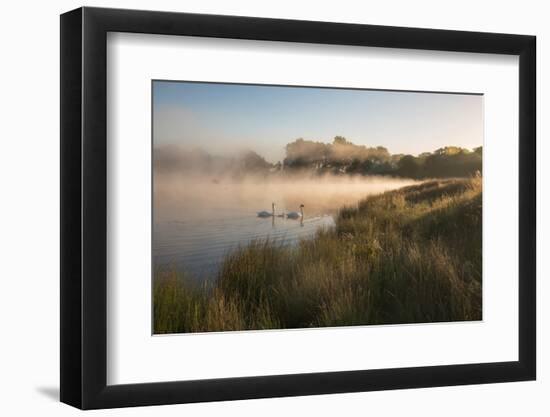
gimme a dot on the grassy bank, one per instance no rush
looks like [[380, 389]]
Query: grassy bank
[[405, 256]]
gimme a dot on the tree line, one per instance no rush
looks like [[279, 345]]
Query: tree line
[[344, 157], [337, 158]]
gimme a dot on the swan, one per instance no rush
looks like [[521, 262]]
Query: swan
[[267, 213], [295, 214]]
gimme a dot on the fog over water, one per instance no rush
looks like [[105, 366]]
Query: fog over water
[[198, 219]]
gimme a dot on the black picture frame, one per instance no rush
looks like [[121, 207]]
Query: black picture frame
[[84, 207]]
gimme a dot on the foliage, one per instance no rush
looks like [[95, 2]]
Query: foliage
[[342, 156], [305, 153], [337, 158]]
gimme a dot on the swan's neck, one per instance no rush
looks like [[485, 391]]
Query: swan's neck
[[302, 211]]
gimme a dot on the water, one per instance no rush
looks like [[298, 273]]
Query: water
[[198, 221]]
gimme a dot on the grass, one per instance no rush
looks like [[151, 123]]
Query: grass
[[406, 256]]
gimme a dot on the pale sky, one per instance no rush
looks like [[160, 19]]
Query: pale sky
[[225, 118]]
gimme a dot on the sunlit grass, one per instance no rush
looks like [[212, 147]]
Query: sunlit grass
[[406, 256]]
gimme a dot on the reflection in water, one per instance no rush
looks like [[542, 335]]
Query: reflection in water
[[198, 221]]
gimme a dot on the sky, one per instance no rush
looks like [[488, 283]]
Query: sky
[[230, 118]]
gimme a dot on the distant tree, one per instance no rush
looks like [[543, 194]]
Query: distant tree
[[379, 153], [250, 162], [358, 166], [408, 166], [303, 152], [344, 151], [452, 161], [449, 150], [340, 140], [382, 168], [343, 156], [396, 157]]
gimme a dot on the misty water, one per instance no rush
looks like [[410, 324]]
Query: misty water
[[198, 221]]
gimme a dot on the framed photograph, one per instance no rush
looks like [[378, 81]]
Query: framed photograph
[[258, 208]]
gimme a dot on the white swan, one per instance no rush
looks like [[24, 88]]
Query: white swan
[[295, 214], [267, 213]]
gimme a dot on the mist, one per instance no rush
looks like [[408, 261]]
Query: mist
[[201, 195]]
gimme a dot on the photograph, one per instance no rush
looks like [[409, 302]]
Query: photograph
[[278, 205], [292, 207]]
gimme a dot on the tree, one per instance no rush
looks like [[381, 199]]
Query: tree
[[340, 140], [250, 161], [303, 152], [408, 166], [449, 150]]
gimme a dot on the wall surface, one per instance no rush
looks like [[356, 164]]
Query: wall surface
[[29, 225]]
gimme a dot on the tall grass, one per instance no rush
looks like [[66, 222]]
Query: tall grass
[[405, 256]]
